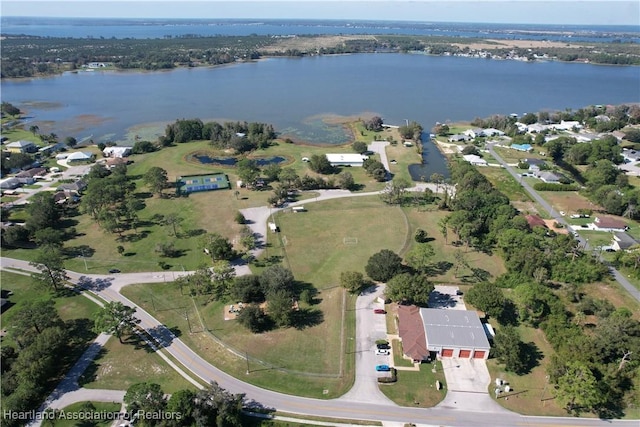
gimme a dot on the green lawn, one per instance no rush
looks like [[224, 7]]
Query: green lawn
[[417, 388], [505, 183], [118, 366], [76, 409]]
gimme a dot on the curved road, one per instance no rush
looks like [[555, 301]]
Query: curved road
[[351, 406]]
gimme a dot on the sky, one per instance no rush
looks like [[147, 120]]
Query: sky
[[568, 12]]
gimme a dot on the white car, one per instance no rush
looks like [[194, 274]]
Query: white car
[[382, 352]]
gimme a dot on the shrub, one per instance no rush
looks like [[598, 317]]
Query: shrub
[[392, 379], [549, 186]]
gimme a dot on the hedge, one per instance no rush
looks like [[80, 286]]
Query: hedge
[[549, 186]]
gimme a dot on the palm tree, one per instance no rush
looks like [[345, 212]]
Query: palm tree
[[34, 129]]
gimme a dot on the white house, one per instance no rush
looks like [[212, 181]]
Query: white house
[[566, 125], [622, 241], [549, 177], [475, 160], [9, 183], [605, 223], [346, 159], [116, 151], [80, 156]]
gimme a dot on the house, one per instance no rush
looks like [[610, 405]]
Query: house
[[535, 221], [622, 241], [607, 223], [205, 182], [489, 132], [458, 138], [535, 162], [80, 156], [412, 334], [9, 183], [346, 159], [116, 161], [29, 176], [522, 147], [474, 133], [536, 128], [586, 137], [73, 188], [630, 156], [475, 160], [22, 147], [566, 125], [116, 152], [549, 177], [455, 333]]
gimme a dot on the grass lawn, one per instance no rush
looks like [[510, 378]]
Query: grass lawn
[[596, 238], [71, 306], [444, 257], [398, 360], [568, 201], [118, 366], [510, 155], [87, 407], [416, 388], [529, 394], [404, 156], [505, 183]]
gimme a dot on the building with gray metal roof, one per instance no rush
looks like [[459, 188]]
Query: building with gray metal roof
[[455, 333]]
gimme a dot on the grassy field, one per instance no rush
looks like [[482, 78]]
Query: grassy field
[[568, 201], [444, 257], [86, 407], [510, 155], [417, 388], [505, 183], [312, 245], [118, 366]]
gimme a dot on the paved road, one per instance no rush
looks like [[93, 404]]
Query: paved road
[[560, 219], [444, 414]]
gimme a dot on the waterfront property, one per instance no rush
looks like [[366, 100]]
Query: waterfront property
[[205, 182]]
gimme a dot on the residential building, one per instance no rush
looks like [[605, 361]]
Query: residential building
[[21, 147], [607, 223], [9, 183], [535, 221], [622, 241], [549, 177], [458, 138], [29, 176], [411, 331], [80, 156], [475, 160], [116, 151]]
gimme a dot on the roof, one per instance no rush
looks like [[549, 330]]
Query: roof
[[625, 241], [346, 157], [548, 176], [537, 162], [80, 155], [472, 158], [117, 150], [535, 221], [411, 330], [20, 144], [31, 173], [453, 328], [609, 222]]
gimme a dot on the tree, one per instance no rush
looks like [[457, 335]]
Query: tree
[[70, 141], [279, 307], [359, 147], [222, 275], [276, 278], [409, 288], [253, 318], [288, 176], [419, 257], [272, 171], [156, 178], [487, 297], [49, 237], [247, 170], [577, 388], [217, 247], [146, 397], [141, 147], [218, 407], [43, 212], [32, 319], [320, 164], [444, 227], [508, 349], [116, 318], [374, 124], [9, 109], [48, 261], [421, 236], [247, 289], [172, 220], [346, 181], [352, 281], [383, 265], [183, 402]]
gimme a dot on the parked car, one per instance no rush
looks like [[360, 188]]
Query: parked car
[[379, 311], [383, 368], [382, 352], [383, 346], [114, 270]]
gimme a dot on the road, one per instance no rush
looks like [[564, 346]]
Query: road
[[346, 407], [633, 291]]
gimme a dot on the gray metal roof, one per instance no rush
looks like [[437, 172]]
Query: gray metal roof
[[453, 329]]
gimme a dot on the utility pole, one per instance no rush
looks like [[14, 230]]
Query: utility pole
[[246, 357], [186, 316]]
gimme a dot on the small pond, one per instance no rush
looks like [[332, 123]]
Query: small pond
[[231, 161]]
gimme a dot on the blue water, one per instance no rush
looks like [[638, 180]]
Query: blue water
[[159, 28]]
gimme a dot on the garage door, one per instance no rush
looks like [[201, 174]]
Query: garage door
[[447, 352], [465, 353], [479, 354]]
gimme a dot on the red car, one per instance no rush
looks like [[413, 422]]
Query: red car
[[379, 311]]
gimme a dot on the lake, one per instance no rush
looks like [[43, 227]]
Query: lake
[[303, 97]]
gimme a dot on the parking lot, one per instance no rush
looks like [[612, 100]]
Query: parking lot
[[448, 297]]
